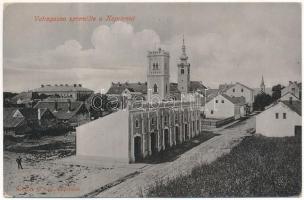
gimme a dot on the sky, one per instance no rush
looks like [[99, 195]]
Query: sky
[[225, 42]]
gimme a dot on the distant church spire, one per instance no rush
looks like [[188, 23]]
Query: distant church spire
[[262, 86]]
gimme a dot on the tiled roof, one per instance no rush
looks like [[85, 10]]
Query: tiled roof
[[212, 92], [294, 106], [62, 88], [197, 85], [235, 100], [174, 88], [290, 94], [62, 108], [118, 88], [8, 120], [225, 87], [29, 113], [24, 96]]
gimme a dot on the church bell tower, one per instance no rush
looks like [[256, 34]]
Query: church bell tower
[[183, 71], [158, 75]]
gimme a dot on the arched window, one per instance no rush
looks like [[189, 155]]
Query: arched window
[[153, 66], [182, 71], [156, 65], [136, 123], [155, 88]]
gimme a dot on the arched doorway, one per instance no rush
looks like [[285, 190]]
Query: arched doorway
[[177, 135], [137, 148], [153, 142], [186, 132], [167, 139]]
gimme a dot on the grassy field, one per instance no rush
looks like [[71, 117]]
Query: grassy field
[[257, 167]]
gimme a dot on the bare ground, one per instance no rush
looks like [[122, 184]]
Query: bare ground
[[55, 173]]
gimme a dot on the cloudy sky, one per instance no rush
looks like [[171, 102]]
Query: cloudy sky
[[225, 43]]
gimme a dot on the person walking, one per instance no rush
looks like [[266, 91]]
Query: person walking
[[19, 160]]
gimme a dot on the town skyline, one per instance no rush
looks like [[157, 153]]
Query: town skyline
[[97, 54]]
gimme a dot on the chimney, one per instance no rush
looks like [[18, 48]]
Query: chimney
[[290, 100]]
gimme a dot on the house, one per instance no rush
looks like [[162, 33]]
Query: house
[[74, 92], [281, 119], [239, 90], [20, 121], [23, 98], [73, 113], [223, 106], [294, 88]]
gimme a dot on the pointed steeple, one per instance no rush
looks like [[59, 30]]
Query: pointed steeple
[[184, 55], [262, 86]]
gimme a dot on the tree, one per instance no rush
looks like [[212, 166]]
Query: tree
[[261, 101], [276, 91]]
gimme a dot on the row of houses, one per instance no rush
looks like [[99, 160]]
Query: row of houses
[[44, 115]]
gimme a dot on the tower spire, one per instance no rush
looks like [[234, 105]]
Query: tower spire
[[262, 85], [184, 55]]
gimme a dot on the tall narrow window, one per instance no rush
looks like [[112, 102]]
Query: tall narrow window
[[284, 115], [233, 90], [211, 112], [277, 115], [155, 88], [182, 71], [242, 90], [136, 123]]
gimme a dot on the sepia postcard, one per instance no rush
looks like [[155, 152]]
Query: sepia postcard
[[152, 100]]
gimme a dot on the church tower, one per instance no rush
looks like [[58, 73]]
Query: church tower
[[158, 76], [262, 86], [183, 71]]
